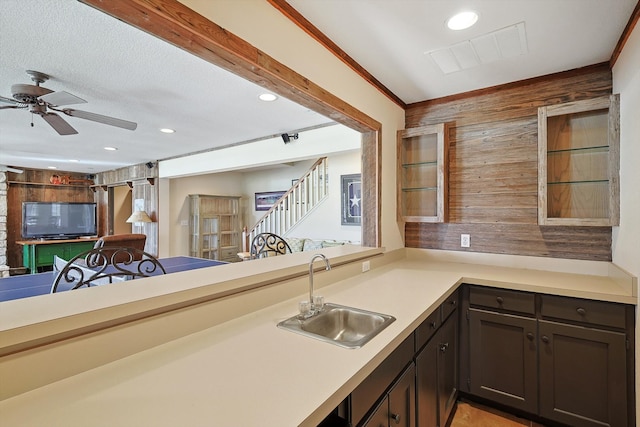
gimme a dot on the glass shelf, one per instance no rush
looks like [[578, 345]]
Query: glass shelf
[[602, 148], [420, 189], [417, 164], [592, 181]]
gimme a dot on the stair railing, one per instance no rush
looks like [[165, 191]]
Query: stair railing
[[295, 204]]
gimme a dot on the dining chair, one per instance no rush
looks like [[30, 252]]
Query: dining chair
[[268, 244], [100, 266]]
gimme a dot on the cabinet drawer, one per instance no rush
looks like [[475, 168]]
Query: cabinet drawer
[[229, 252], [502, 299], [449, 306], [427, 328], [583, 310]]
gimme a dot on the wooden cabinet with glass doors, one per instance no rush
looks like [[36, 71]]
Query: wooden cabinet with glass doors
[[214, 227], [578, 163], [422, 174]]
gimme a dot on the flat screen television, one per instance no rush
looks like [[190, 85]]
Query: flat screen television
[[58, 220]]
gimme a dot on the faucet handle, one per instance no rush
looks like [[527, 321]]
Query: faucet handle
[[305, 308], [318, 302]]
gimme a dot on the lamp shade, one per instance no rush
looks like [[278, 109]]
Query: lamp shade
[[139, 216]]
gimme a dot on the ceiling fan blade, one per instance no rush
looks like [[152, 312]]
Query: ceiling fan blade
[[61, 98], [112, 121], [59, 124], [9, 100], [13, 106]]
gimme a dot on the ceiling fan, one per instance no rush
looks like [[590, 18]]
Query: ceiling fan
[[39, 100]]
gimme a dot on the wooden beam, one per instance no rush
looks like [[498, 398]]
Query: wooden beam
[[175, 23]]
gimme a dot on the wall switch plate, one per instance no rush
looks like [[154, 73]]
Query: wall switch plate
[[184, 222], [366, 265], [465, 240]]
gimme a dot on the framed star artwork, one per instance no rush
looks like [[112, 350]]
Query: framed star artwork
[[351, 199]]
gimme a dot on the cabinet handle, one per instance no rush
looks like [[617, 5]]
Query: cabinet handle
[[581, 311], [530, 336], [453, 302], [433, 325], [500, 300], [443, 347], [545, 339], [396, 418]]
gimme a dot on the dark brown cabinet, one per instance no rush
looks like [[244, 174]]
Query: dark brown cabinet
[[568, 360], [398, 408], [584, 367], [437, 367], [503, 366]]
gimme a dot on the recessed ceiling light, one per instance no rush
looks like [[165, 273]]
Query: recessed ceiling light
[[268, 97], [462, 20], [51, 167], [110, 148], [167, 130], [74, 160]]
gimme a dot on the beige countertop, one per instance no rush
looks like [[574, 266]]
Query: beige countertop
[[247, 372]]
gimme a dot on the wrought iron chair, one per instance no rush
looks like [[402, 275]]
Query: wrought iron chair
[[105, 265], [268, 244]]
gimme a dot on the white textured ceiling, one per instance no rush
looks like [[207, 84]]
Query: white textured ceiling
[[128, 74], [125, 73]]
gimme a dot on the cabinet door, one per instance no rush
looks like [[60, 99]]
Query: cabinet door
[[427, 384], [379, 417], [402, 400], [503, 359], [583, 375], [447, 368]]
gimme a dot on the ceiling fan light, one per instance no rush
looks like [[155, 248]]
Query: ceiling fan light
[[462, 20]]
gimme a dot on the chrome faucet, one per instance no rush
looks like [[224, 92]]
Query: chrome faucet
[[312, 304]]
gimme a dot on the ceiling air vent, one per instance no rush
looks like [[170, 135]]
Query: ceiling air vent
[[501, 44]]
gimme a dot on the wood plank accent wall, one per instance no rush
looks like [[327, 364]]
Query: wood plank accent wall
[[34, 186], [493, 171], [140, 178]]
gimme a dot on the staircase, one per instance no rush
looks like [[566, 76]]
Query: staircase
[[311, 189]]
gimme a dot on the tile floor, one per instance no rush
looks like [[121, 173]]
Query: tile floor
[[471, 414]]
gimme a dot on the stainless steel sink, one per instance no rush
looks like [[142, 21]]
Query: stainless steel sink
[[340, 325]]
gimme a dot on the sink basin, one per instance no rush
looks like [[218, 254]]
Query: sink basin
[[340, 325]]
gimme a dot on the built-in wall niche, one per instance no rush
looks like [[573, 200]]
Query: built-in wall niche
[[578, 163]]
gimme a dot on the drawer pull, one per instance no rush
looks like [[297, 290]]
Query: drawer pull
[[581, 311], [500, 300], [453, 302], [396, 418], [433, 325], [545, 339], [443, 347], [529, 336]]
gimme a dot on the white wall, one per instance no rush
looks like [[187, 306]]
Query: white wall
[[325, 220], [626, 82]]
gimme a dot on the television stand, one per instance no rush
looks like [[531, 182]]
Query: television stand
[[40, 253]]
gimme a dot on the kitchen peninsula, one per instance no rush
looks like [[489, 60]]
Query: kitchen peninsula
[[203, 349]]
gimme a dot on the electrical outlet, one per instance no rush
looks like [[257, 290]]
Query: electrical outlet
[[366, 265], [465, 240]]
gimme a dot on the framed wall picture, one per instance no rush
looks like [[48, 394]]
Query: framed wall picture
[[351, 199], [265, 200]]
